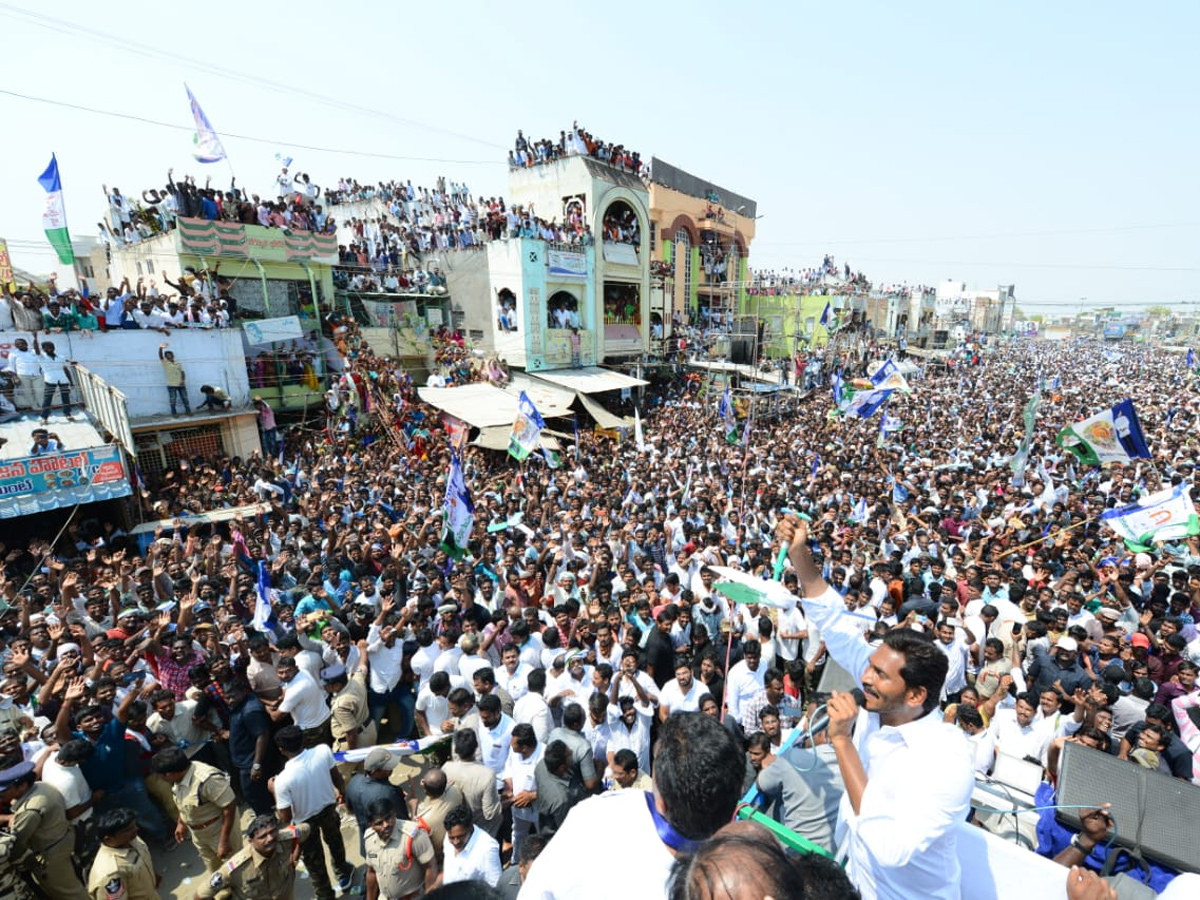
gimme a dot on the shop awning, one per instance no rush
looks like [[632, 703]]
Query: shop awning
[[211, 517], [496, 438], [603, 417], [544, 396], [485, 405], [923, 353], [589, 380]]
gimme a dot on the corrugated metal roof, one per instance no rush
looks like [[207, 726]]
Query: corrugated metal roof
[[589, 379], [485, 405]]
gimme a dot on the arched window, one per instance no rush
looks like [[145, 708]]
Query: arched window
[[562, 311], [621, 225], [506, 311]]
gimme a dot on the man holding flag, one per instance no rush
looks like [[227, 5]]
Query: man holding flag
[[458, 512], [54, 217], [1168, 515], [208, 147], [728, 420], [527, 429], [1112, 435]]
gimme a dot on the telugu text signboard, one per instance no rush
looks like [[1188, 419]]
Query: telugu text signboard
[[37, 483]]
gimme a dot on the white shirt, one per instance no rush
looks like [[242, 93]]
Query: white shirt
[[531, 652], [901, 842], [54, 371], [983, 745], [70, 783], [423, 661], [447, 661], [956, 677], [305, 785], [580, 690], [791, 621], [152, 319], [305, 700], [1016, 740], [675, 700], [636, 738], [742, 685], [22, 362], [532, 709], [495, 744], [520, 771], [435, 709], [479, 860], [599, 736], [385, 661], [613, 657], [647, 683], [558, 873], [516, 683], [180, 728], [469, 665]]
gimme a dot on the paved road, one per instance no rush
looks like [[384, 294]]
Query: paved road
[[183, 872]]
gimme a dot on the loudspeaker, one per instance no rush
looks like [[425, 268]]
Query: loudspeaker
[[741, 349], [1152, 810]]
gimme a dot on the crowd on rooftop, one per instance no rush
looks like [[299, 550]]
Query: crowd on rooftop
[[826, 279], [199, 299], [294, 206], [528, 152]]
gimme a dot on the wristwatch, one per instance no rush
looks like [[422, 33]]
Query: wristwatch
[[257, 767], [1078, 845]]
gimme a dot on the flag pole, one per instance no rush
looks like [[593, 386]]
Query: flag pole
[[725, 680], [1042, 538]]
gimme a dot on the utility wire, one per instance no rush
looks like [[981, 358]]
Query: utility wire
[[127, 46], [244, 137]]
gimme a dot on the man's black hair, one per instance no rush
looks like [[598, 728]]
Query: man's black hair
[[380, 808], [698, 771], [170, 759], [466, 743], [114, 821], [925, 666]]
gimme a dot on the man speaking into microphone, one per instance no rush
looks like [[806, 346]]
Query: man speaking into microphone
[[908, 774]]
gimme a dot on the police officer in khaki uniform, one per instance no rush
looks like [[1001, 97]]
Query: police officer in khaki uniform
[[12, 883], [264, 870], [349, 716], [207, 805], [400, 858], [122, 867], [37, 819]]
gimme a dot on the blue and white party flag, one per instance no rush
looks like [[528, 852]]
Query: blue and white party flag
[[208, 147]]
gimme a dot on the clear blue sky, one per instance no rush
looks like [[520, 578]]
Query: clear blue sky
[[1047, 145]]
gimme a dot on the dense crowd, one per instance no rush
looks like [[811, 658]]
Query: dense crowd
[[579, 142], [387, 249], [581, 627], [199, 299], [294, 207]]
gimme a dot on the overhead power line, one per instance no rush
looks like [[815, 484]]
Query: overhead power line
[[125, 45], [276, 142]]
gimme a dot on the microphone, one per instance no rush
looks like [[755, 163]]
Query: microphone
[[820, 720]]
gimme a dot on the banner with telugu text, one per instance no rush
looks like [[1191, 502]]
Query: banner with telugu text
[[37, 483]]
